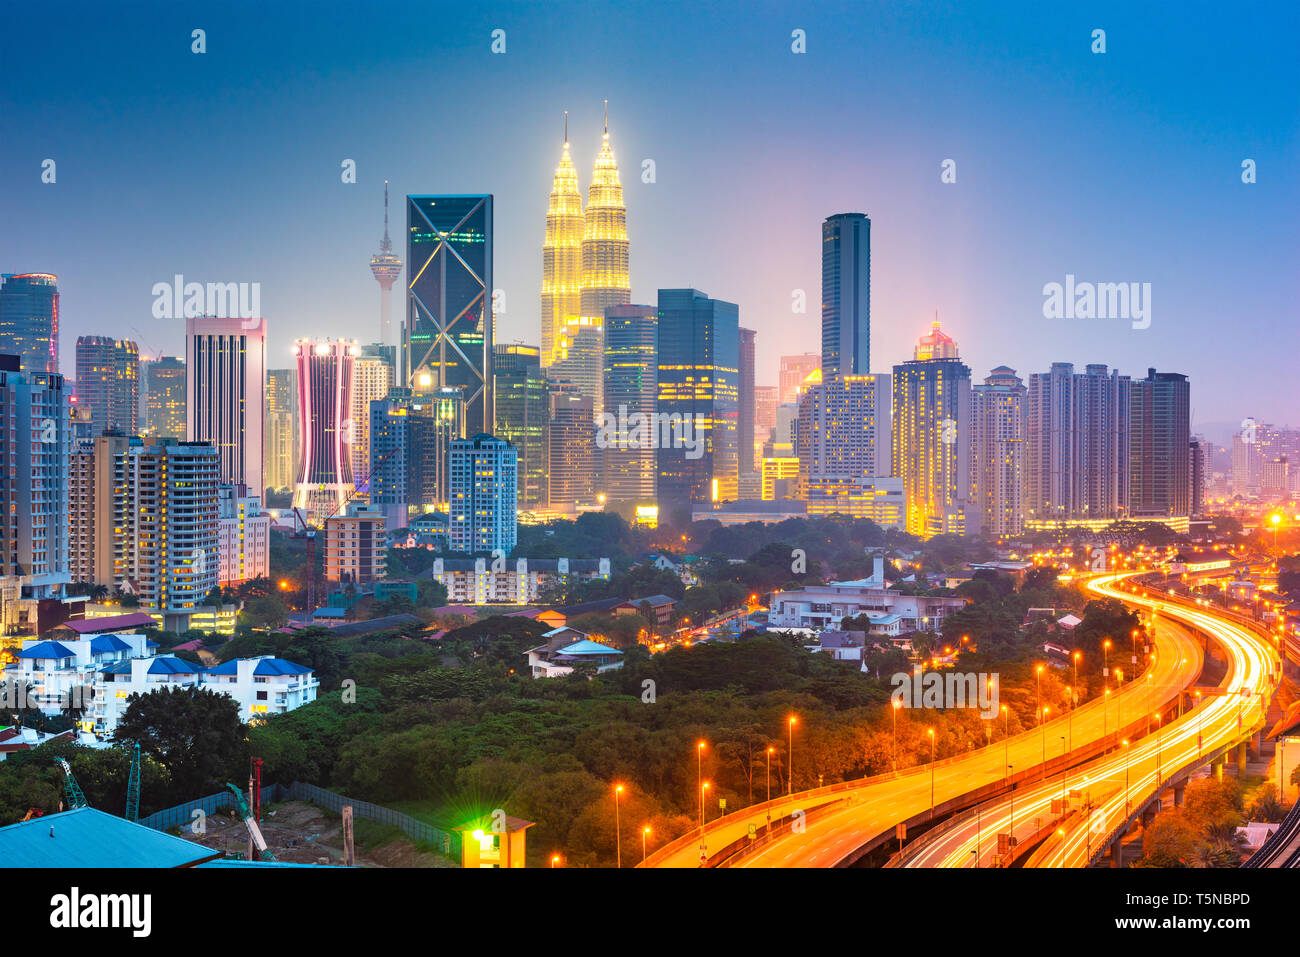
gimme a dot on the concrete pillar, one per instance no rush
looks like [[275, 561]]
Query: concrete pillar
[[1179, 789], [1117, 852], [1241, 760], [1256, 743], [1217, 768]]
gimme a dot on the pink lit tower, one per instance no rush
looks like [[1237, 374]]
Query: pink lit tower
[[386, 268]]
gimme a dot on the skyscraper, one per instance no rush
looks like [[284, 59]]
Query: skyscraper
[[794, 371], [447, 334], [385, 266], [846, 294], [745, 399], [108, 383], [1160, 435], [281, 429], [225, 403], [561, 256], [699, 359], [34, 498], [931, 447], [631, 390], [523, 416], [481, 515], [404, 456], [997, 451], [571, 450], [372, 377], [849, 427], [765, 403], [29, 320], [324, 410], [1077, 447], [165, 398]]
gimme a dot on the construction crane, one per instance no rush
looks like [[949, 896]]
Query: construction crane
[[257, 843], [76, 799], [133, 787]]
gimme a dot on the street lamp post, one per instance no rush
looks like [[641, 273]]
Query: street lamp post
[[1126, 808], [770, 749], [618, 830], [1012, 826], [1038, 684], [930, 732], [1006, 742], [645, 831], [699, 777], [790, 759], [1042, 721], [894, 715]]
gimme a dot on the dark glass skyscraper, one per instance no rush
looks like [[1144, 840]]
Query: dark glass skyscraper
[[699, 361], [523, 415], [1159, 437], [108, 383], [745, 396], [447, 333], [846, 295], [29, 320], [631, 389]]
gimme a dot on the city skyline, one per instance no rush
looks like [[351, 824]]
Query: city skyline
[[979, 253]]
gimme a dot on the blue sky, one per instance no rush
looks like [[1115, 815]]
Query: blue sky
[[1115, 167]]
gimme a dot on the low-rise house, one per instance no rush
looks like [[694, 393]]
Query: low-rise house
[[567, 648], [660, 608], [843, 645]]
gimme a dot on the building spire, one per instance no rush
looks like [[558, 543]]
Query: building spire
[[607, 117], [387, 244], [566, 127]]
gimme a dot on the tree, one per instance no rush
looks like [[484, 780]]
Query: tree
[[193, 733], [262, 613]]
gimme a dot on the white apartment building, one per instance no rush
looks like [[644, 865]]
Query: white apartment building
[[481, 581], [243, 535], [821, 607], [98, 675]]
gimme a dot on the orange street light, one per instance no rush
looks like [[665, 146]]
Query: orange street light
[[618, 832], [790, 759]]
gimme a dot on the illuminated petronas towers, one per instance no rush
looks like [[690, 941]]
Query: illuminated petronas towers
[[577, 339]]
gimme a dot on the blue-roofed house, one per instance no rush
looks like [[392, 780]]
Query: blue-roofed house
[[567, 648], [264, 686]]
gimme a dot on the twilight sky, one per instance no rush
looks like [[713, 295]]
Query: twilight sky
[[1115, 167]]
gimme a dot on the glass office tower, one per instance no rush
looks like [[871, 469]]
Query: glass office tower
[[846, 295], [447, 334], [29, 320]]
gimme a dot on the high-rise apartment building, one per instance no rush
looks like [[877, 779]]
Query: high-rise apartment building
[[449, 325], [324, 415], [108, 383], [404, 452], [699, 361], [1160, 434], [356, 546], [1077, 447], [931, 447], [846, 294], [225, 402], [29, 320], [523, 416], [165, 387], [372, 377], [482, 514], [34, 497], [997, 451], [97, 487], [243, 536], [629, 450], [849, 427]]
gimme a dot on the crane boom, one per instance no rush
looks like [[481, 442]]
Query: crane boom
[[254, 831], [76, 798], [133, 787]]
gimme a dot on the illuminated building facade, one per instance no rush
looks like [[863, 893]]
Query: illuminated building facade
[[447, 334], [164, 386], [386, 267], [281, 429], [846, 294], [631, 388], [745, 399], [482, 514], [698, 366], [1077, 446], [561, 257], [848, 427], [29, 320], [324, 410], [523, 416], [407, 444], [765, 403], [997, 451], [108, 383], [243, 536], [97, 478], [571, 450], [931, 448], [34, 498], [225, 403], [356, 546], [793, 373]]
